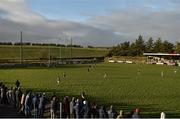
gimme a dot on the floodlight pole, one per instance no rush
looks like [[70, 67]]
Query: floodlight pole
[[21, 49], [60, 52], [71, 49], [49, 54]]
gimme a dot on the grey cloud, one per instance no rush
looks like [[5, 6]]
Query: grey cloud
[[17, 11], [15, 17], [132, 22], [117, 26], [54, 32]]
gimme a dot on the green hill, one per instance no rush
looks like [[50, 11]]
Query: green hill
[[42, 52]]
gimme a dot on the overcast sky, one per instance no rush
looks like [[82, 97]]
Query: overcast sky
[[89, 22]]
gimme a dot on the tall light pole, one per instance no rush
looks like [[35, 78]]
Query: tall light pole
[[60, 52], [49, 54], [71, 40], [21, 49], [71, 49]]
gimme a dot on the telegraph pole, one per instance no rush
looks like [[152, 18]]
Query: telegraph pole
[[60, 52], [21, 49], [49, 54], [71, 49]]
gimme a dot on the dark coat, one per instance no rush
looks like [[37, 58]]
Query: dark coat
[[41, 102], [78, 109], [103, 113], [86, 111]]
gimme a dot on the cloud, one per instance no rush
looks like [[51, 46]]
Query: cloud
[[117, 26], [134, 21], [15, 16], [17, 11]]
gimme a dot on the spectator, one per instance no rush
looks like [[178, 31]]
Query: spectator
[[163, 115], [94, 110], [130, 114], [136, 113], [41, 106], [13, 98], [2, 94], [60, 109], [72, 111], [103, 112], [121, 115], [18, 97], [10, 96], [86, 110], [0, 90], [27, 105], [112, 113], [53, 107], [78, 108], [66, 107], [35, 102], [22, 102], [7, 96]]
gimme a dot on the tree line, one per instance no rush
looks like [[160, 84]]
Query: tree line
[[39, 44], [139, 46]]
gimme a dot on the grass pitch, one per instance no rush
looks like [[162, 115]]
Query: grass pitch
[[126, 86]]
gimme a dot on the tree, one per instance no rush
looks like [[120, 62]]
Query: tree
[[149, 45], [168, 47], [133, 49], [124, 49], [158, 46], [115, 51], [178, 47], [139, 46]]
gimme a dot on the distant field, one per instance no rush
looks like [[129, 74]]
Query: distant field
[[42, 52], [128, 85]]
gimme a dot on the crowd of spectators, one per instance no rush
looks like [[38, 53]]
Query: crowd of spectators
[[35, 105], [162, 61]]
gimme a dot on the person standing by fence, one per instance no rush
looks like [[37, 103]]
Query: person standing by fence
[[112, 113], [66, 107], [60, 109], [41, 105], [86, 110], [27, 105], [35, 102], [102, 112], [72, 111], [18, 97], [53, 107], [94, 110], [78, 108]]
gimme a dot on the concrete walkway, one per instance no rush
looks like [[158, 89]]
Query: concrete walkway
[[7, 111]]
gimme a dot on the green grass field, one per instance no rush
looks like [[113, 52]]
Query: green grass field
[[42, 52], [125, 88]]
